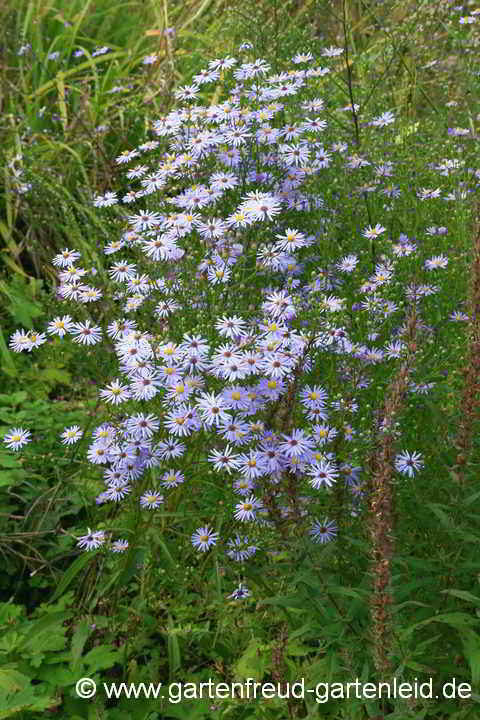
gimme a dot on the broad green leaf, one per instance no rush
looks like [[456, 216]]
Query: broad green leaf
[[254, 661], [36, 635], [24, 701], [101, 658], [11, 680]]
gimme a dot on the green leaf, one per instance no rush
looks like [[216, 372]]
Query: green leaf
[[120, 577], [36, 627], [457, 620], [9, 478], [254, 662], [9, 461], [56, 674], [439, 512], [198, 710], [420, 647], [418, 667], [169, 561], [286, 601], [77, 70], [471, 499], [11, 680], [463, 595], [23, 309], [79, 639], [471, 649], [174, 657], [69, 576], [309, 629], [10, 641], [45, 634], [55, 375], [348, 592], [9, 613], [101, 658], [16, 398], [25, 700], [298, 650], [8, 365]]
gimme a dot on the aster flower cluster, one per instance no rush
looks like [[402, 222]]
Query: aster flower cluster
[[239, 216]]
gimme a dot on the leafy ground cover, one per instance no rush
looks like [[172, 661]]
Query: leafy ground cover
[[240, 341]]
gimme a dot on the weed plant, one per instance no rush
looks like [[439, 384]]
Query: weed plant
[[278, 467]]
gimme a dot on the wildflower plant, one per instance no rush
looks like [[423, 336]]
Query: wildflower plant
[[252, 334], [227, 227]]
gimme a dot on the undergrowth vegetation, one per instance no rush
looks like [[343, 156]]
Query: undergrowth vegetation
[[240, 360]]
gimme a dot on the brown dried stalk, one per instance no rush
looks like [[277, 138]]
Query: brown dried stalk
[[279, 669], [278, 656], [381, 503], [470, 400]]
